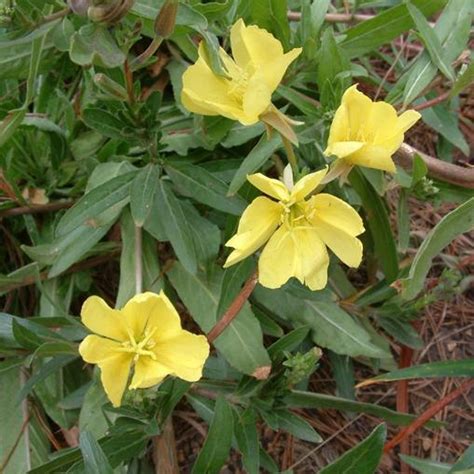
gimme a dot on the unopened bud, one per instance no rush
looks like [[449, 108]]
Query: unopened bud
[[109, 11], [79, 7], [166, 19], [110, 87]]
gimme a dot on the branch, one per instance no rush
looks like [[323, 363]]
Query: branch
[[85, 264], [234, 308], [334, 17], [432, 102], [36, 209], [438, 169], [427, 415], [337, 17]]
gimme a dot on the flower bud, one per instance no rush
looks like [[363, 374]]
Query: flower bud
[[109, 11], [166, 19], [110, 87], [79, 7]]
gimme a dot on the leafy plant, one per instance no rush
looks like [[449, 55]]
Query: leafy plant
[[124, 169]]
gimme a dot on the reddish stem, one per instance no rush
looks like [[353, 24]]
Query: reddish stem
[[432, 102], [36, 209], [234, 308], [427, 415]]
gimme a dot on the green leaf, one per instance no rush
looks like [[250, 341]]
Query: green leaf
[[95, 461], [246, 435], [91, 417], [152, 280], [36, 50], [426, 466], [450, 368], [449, 29], [297, 426], [11, 425], [343, 372], [15, 55], [142, 193], [445, 122], [10, 123], [379, 225], [216, 448], [464, 80], [75, 245], [465, 464], [50, 367], [104, 122], [201, 185], [289, 342], [448, 228], [385, 27], [127, 442], [258, 156], [242, 341], [112, 194], [431, 41], [331, 326], [94, 44], [300, 399], [176, 226], [401, 330], [364, 457], [312, 19], [272, 15], [331, 78]]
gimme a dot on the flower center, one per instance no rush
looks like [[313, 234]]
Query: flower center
[[239, 80], [142, 347], [295, 215]]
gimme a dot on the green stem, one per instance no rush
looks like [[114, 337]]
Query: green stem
[[138, 260], [290, 153]]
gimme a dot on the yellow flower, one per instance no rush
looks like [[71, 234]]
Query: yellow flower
[[367, 133], [258, 66], [145, 335], [297, 230]]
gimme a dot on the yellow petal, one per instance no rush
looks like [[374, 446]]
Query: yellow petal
[[393, 142], [257, 98], [147, 373], [269, 186], [275, 70], [253, 46], [204, 92], [339, 131], [337, 213], [307, 184], [344, 245], [296, 253], [114, 365], [358, 107], [380, 123], [114, 372], [100, 318], [343, 149], [148, 311], [408, 119], [257, 224], [255, 49], [372, 156], [94, 348], [184, 355]]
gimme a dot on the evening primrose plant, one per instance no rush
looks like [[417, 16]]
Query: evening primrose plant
[[193, 200]]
